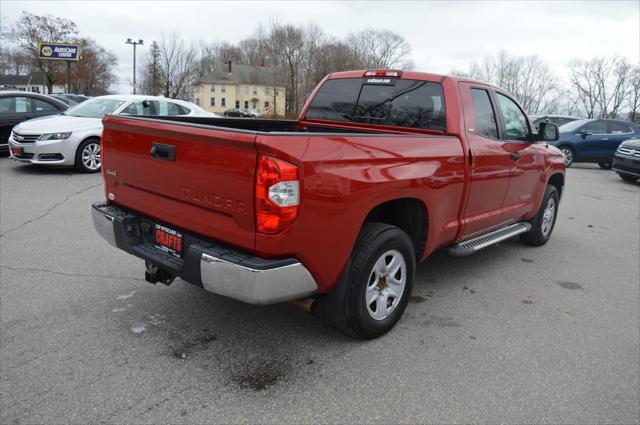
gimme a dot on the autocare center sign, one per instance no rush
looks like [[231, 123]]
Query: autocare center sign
[[59, 51]]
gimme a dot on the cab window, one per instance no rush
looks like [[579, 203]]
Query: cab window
[[485, 116], [515, 122]]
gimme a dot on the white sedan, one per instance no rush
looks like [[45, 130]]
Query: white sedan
[[73, 137]]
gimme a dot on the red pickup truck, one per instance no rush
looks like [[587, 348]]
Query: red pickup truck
[[334, 209]]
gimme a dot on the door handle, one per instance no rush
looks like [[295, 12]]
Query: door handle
[[515, 156], [164, 152]]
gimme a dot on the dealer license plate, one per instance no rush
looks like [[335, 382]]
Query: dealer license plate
[[168, 240]]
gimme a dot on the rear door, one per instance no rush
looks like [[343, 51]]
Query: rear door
[[490, 161], [527, 159], [199, 179]]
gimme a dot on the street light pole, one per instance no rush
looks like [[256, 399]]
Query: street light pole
[[135, 43]]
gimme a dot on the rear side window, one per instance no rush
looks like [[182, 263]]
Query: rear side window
[[403, 103], [42, 106], [485, 117], [619, 128]]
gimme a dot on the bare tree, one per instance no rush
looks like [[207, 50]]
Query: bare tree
[[601, 85], [94, 73], [634, 94], [31, 29], [213, 55], [528, 78], [286, 42], [15, 61], [378, 49], [177, 60]]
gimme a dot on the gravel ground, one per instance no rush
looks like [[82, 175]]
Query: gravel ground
[[512, 334]]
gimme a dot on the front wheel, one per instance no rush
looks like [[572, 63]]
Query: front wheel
[[605, 165], [379, 282], [569, 155], [88, 156], [544, 221]]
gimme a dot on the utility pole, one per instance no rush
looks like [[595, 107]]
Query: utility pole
[[135, 43], [68, 76]]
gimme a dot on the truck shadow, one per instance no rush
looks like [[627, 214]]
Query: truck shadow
[[254, 348]]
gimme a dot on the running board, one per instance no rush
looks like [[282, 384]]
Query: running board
[[470, 246]]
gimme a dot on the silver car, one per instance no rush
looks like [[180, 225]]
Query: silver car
[[73, 137]]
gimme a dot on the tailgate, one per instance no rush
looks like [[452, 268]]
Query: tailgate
[[187, 176]]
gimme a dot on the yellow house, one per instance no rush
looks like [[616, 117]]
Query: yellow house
[[240, 86]]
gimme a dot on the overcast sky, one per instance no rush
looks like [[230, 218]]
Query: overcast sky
[[443, 35]]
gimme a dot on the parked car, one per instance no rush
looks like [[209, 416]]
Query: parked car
[[73, 138], [594, 140], [18, 106], [381, 169], [554, 119], [626, 160], [73, 97], [254, 113], [64, 100], [236, 112]]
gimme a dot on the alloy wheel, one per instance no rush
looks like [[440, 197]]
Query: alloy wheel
[[386, 284], [91, 156]]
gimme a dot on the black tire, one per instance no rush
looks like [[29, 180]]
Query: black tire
[[539, 235], [79, 164], [569, 155], [628, 177], [374, 241], [605, 165]]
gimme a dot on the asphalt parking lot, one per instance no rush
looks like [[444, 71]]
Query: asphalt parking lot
[[512, 334]]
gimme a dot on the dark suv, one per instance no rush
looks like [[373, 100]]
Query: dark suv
[[594, 140], [626, 161]]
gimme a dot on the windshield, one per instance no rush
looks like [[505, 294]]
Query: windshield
[[571, 126], [95, 108], [384, 101]]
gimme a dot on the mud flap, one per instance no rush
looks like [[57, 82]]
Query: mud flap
[[330, 306]]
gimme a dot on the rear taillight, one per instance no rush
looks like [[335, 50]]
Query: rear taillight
[[277, 194]]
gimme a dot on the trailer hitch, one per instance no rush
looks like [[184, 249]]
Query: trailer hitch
[[154, 274]]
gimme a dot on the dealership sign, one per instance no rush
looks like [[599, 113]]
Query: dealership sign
[[59, 51]]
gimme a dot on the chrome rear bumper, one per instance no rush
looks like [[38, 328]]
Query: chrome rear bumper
[[217, 268]]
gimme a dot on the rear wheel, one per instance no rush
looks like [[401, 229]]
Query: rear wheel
[[628, 177], [88, 156], [569, 155], [605, 165], [544, 221], [379, 282]]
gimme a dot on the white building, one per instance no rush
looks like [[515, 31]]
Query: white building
[[33, 83]]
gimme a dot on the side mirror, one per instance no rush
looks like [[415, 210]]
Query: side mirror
[[548, 132]]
